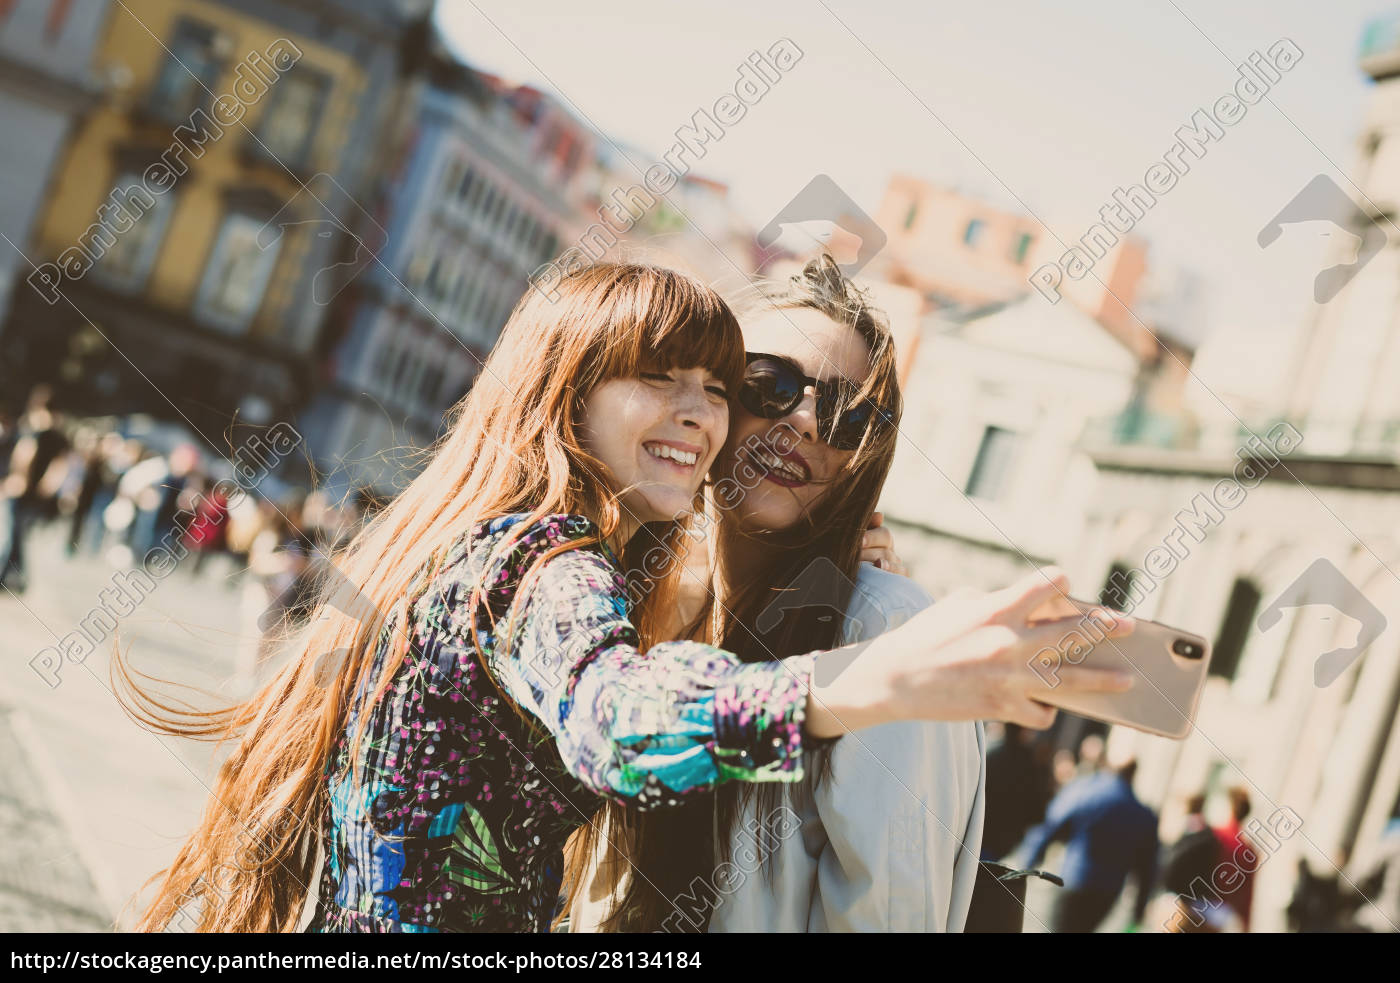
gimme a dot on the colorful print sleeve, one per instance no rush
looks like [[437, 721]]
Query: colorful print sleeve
[[648, 727]]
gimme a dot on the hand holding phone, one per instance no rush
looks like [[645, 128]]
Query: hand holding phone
[[1169, 667]]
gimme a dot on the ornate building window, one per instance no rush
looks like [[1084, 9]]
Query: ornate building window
[[237, 273]]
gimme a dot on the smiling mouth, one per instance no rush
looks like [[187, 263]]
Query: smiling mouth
[[672, 455], [777, 469]]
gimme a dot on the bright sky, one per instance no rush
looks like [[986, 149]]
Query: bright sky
[[1054, 104]]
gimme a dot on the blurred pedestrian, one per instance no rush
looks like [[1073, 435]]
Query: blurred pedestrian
[[32, 482], [172, 494], [277, 557], [1018, 790], [208, 530], [1090, 755], [139, 489], [9, 436], [1187, 869], [244, 522], [85, 481], [1063, 768], [1319, 902], [1109, 835], [1380, 884], [114, 458], [1232, 843]]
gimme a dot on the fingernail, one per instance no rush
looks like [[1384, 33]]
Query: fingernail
[[1113, 619]]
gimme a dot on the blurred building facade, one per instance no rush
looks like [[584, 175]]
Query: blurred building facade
[[1330, 753], [201, 203], [491, 182], [487, 185], [1001, 384], [964, 254], [1037, 434], [46, 83], [989, 471], [308, 211], [1302, 563], [967, 253], [1343, 383], [694, 226]]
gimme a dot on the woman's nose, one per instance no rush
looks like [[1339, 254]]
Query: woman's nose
[[696, 409], [804, 416]]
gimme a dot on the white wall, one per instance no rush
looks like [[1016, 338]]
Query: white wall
[[1041, 372]]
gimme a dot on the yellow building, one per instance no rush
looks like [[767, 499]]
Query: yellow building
[[205, 215]]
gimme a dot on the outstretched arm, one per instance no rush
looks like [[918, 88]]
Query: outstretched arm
[[644, 728], [650, 728]]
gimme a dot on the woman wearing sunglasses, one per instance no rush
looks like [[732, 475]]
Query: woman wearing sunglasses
[[888, 821]]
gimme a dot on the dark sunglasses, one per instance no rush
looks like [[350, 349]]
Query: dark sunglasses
[[773, 387]]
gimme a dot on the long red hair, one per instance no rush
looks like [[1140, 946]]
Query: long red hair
[[511, 447]]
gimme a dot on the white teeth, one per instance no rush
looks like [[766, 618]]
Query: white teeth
[[666, 452], [775, 463]]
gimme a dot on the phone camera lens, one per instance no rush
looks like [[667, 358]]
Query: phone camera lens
[[1186, 649]]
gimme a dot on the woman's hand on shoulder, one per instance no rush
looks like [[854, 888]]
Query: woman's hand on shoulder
[[877, 546]]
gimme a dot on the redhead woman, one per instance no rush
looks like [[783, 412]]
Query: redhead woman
[[423, 764]]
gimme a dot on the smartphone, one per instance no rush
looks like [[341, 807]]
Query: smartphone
[[1169, 664]]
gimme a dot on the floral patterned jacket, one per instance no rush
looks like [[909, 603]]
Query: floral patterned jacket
[[464, 803]]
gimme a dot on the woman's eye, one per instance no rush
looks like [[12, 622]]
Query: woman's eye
[[657, 376], [719, 391]]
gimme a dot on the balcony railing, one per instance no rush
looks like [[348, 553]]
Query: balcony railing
[[1139, 428]]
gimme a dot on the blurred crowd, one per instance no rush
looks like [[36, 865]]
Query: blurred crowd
[[116, 496], [1201, 882]]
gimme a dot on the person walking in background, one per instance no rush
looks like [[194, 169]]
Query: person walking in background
[[1380, 884], [1090, 757], [31, 485], [1324, 902], [1232, 842], [117, 454], [9, 436], [1186, 866], [86, 481], [208, 530], [139, 488], [1018, 791], [1109, 834], [170, 495], [276, 558]]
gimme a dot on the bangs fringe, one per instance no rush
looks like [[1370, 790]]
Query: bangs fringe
[[687, 326]]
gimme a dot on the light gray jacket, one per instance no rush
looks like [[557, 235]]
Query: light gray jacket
[[889, 841]]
